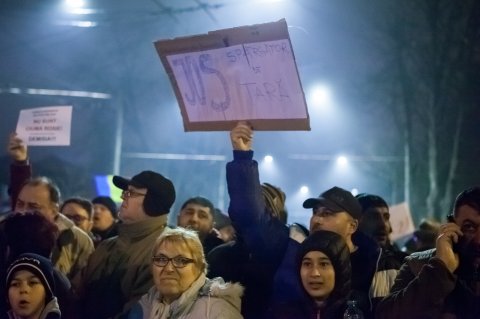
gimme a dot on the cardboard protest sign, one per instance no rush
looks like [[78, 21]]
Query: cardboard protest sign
[[401, 221], [45, 126], [244, 73]]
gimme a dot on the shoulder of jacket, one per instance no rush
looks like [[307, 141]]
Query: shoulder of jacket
[[218, 288], [298, 232], [421, 255], [3, 217], [416, 260], [106, 244]]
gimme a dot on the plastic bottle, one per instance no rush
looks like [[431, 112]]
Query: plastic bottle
[[353, 311]]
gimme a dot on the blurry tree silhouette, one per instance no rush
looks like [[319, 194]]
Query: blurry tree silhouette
[[428, 76]]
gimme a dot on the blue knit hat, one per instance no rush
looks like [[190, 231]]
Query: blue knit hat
[[38, 265]]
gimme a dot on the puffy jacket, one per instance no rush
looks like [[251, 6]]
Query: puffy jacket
[[204, 299]]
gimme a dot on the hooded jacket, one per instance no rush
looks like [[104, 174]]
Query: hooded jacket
[[204, 299], [51, 311]]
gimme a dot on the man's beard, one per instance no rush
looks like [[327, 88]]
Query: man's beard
[[469, 268]]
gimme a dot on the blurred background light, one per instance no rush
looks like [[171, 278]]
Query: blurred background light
[[74, 3], [354, 191], [78, 23], [342, 160], [304, 189], [320, 96]]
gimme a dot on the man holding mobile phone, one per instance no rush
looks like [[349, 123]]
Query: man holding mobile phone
[[443, 282]]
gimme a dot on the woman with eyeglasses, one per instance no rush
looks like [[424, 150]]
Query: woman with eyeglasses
[[182, 289]]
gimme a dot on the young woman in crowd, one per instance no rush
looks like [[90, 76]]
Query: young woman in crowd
[[323, 264]]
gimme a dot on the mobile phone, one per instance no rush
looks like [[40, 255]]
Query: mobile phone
[[455, 246], [450, 218]]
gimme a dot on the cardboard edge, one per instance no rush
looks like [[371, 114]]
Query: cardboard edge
[[302, 124]]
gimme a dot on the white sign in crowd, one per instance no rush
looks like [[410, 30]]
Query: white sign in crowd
[[45, 126]]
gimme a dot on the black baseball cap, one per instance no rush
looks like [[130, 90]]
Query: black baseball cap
[[337, 200], [160, 191]]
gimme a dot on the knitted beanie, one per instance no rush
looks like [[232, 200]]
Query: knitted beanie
[[108, 203], [38, 265]]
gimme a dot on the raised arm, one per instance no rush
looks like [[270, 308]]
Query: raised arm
[[265, 236], [20, 169]]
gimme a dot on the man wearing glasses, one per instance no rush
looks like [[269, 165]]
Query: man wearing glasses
[[73, 246], [118, 272], [80, 211]]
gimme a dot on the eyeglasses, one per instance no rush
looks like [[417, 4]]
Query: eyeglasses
[[77, 219], [177, 261], [130, 193]]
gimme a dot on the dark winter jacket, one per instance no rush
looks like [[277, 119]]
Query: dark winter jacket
[[425, 288], [19, 173], [262, 240], [210, 242], [233, 262]]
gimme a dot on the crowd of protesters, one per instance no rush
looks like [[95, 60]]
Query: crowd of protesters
[[89, 258]]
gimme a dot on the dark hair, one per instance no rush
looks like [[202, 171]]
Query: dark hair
[[83, 202], [275, 201], [470, 197], [202, 201], [53, 190], [370, 200], [221, 220], [30, 232]]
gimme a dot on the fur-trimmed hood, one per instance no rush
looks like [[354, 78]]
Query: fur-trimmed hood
[[206, 298], [217, 288]]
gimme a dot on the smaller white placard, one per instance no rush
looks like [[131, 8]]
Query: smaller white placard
[[45, 126], [401, 221]]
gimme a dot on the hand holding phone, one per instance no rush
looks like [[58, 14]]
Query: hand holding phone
[[455, 245], [447, 245]]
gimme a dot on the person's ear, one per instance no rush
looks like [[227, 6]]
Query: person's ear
[[354, 225]]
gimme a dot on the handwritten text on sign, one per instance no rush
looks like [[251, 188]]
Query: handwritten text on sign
[[248, 81], [45, 125]]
